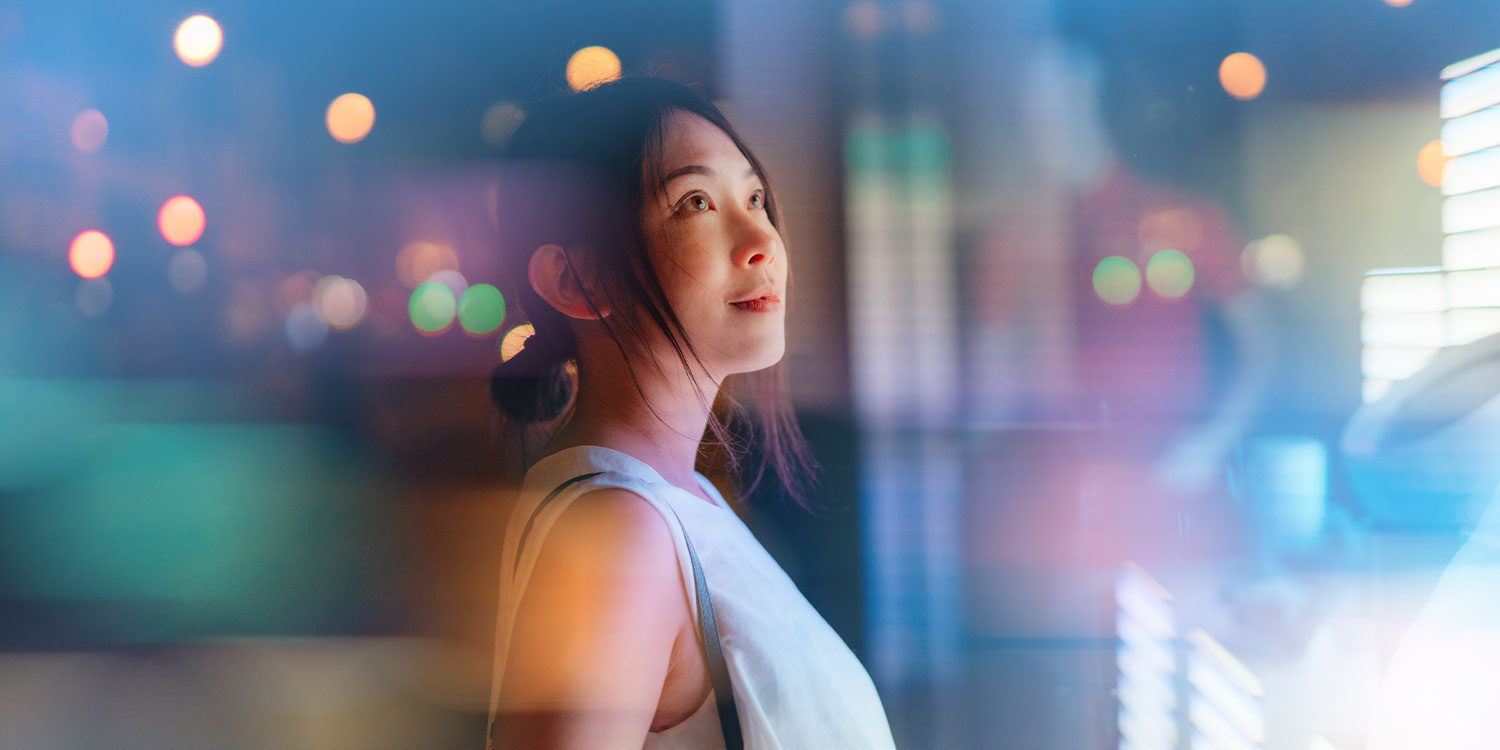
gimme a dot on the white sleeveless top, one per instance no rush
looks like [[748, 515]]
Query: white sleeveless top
[[796, 684]]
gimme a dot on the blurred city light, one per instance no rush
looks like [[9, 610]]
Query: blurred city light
[[481, 309], [1242, 75], [305, 327], [452, 279], [342, 301], [94, 296], [1117, 280], [418, 261], [181, 220], [91, 254], [1430, 163], [1173, 229], [198, 40], [187, 270], [1169, 273], [499, 122], [350, 118], [592, 66], [1274, 261], [515, 340], [432, 307], [89, 131]]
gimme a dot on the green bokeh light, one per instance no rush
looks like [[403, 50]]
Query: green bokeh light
[[432, 307], [1170, 274], [1116, 280], [481, 309]]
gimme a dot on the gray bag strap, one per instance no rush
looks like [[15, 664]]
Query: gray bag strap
[[708, 625]]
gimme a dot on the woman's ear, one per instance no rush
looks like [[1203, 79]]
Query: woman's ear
[[551, 275]]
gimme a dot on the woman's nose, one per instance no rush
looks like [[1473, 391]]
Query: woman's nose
[[757, 243]]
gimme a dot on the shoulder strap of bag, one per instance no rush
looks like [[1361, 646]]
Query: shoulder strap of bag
[[713, 653], [708, 626]]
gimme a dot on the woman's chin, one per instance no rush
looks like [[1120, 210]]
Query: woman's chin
[[760, 358]]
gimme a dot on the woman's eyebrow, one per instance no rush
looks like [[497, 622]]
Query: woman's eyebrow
[[696, 169]]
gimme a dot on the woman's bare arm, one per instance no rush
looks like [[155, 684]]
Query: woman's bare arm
[[594, 630]]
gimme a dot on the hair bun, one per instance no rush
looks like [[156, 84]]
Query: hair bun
[[534, 385]]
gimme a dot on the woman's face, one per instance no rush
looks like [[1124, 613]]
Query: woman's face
[[713, 245]]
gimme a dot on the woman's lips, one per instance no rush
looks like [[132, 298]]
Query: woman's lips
[[768, 303]]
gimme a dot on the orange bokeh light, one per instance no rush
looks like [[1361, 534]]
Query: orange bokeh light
[[350, 118], [418, 261], [181, 220], [91, 254], [1243, 75], [1431, 161], [592, 66]]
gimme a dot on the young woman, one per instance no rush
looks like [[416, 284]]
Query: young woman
[[642, 236]]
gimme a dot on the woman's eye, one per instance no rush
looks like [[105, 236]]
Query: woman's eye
[[697, 203], [758, 201]]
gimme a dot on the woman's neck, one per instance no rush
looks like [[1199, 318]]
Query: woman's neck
[[612, 413]]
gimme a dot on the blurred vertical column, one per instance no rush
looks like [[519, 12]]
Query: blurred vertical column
[[904, 336], [1409, 314]]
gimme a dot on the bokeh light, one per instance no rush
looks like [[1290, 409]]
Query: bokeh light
[[592, 66], [90, 130], [305, 327], [91, 254], [181, 220], [1169, 273], [1172, 229], [1117, 281], [343, 302], [481, 309], [94, 296], [350, 118], [1431, 162], [418, 261], [515, 340], [500, 122], [1398, 3], [454, 280], [432, 307], [248, 316], [198, 40], [863, 19], [1243, 75], [187, 270], [299, 288], [1275, 261]]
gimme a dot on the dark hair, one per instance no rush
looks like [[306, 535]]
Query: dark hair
[[601, 149]]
